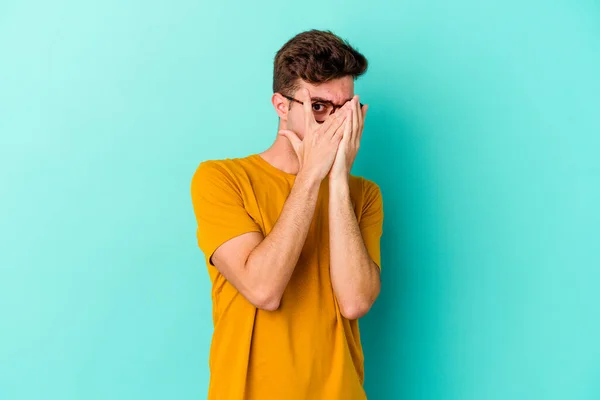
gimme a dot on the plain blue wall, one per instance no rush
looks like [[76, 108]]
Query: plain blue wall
[[483, 132]]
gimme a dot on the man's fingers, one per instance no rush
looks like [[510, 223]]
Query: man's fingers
[[363, 114], [356, 117], [342, 131], [349, 127], [304, 97], [292, 137], [334, 122]]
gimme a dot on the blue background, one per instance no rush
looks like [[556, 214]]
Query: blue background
[[483, 133]]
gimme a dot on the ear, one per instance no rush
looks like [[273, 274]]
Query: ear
[[281, 105]]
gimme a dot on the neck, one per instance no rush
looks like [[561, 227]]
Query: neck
[[281, 155]]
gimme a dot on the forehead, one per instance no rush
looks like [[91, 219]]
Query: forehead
[[337, 91]]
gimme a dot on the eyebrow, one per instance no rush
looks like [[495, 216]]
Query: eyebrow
[[328, 101]]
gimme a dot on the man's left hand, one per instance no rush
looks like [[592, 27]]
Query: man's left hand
[[350, 143]]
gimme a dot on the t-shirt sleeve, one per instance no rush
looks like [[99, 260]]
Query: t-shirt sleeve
[[371, 222], [219, 208]]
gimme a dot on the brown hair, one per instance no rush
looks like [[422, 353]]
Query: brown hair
[[315, 57]]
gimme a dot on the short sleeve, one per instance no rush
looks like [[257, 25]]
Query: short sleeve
[[219, 208], [371, 221]]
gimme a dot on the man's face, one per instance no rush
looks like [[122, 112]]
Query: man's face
[[336, 92]]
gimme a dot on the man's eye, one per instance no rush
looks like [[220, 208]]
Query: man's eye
[[318, 107]]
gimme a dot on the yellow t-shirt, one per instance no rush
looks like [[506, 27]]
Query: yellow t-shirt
[[305, 350]]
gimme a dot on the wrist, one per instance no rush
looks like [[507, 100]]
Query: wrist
[[339, 184], [308, 180], [339, 179]]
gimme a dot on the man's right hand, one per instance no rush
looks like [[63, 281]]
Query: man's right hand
[[316, 152]]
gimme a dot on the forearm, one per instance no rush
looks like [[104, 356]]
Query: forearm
[[354, 275], [271, 264]]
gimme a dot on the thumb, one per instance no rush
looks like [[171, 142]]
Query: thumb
[[292, 137]]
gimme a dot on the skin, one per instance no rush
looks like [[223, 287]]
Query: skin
[[260, 267]]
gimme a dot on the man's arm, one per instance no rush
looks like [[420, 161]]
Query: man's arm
[[354, 275], [260, 268]]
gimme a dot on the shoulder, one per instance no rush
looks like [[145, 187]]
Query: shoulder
[[371, 189], [225, 170], [220, 180], [367, 188], [210, 168]]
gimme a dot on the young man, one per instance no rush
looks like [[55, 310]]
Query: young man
[[291, 239]]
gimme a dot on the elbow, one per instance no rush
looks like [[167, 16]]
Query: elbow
[[355, 310], [358, 306], [268, 304], [266, 300]]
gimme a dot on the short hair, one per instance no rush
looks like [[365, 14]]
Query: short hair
[[315, 57]]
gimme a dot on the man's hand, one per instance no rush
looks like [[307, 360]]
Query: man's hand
[[350, 143], [354, 275], [317, 151]]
